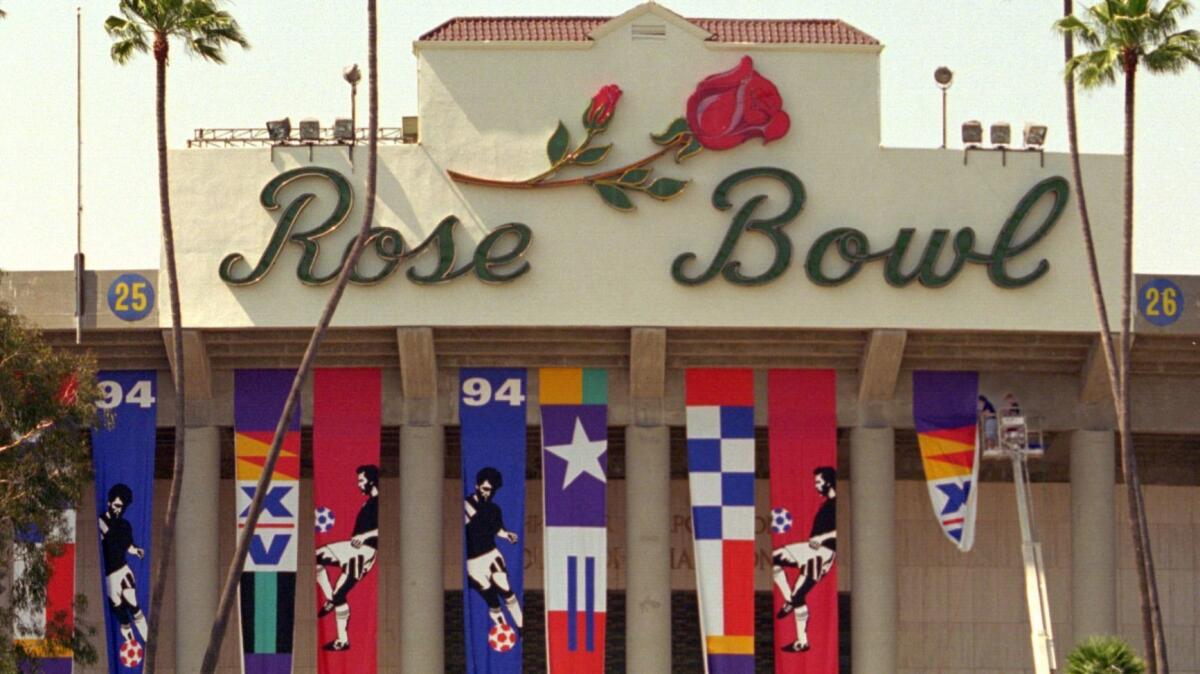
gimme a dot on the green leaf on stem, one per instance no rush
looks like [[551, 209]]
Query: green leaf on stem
[[592, 155], [634, 177], [692, 149], [556, 148], [673, 132], [614, 196], [665, 188]]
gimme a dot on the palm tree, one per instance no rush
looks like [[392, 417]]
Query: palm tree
[[1104, 655], [205, 31], [1125, 34], [236, 566]]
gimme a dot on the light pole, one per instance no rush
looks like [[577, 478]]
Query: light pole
[[352, 75], [943, 76]]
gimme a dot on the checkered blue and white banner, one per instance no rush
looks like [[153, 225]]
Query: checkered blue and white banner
[[720, 432]]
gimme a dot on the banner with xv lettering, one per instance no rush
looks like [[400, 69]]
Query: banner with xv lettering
[[267, 592]]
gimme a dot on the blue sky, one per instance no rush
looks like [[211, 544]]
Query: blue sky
[[1006, 59]]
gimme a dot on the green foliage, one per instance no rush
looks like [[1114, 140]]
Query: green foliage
[[559, 143], [204, 30], [1118, 35], [44, 466], [675, 130], [614, 196], [1104, 655]]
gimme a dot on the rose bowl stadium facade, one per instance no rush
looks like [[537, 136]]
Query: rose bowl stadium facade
[[661, 277]]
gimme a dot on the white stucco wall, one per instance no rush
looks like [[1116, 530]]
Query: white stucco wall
[[488, 111]]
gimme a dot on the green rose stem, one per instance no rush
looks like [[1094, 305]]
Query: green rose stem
[[539, 181], [567, 159]]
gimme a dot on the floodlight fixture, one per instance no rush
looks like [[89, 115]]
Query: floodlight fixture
[[1001, 134], [1035, 135], [972, 133], [944, 77], [343, 129], [352, 75], [279, 130], [310, 130]]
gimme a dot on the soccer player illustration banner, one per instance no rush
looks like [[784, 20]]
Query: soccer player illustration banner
[[944, 413], [574, 407], [35, 626], [267, 588], [346, 419], [802, 431], [720, 445], [123, 459], [491, 412]]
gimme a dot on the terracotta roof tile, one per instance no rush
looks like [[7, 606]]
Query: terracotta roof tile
[[577, 29]]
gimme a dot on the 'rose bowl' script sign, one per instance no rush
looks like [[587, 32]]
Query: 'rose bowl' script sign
[[498, 261]]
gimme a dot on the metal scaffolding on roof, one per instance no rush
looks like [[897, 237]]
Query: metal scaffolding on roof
[[260, 137]]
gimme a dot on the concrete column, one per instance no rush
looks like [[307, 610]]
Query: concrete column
[[647, 549], [422, 476], [1093, 534], [873, 550], [422, 480], [197, 534]]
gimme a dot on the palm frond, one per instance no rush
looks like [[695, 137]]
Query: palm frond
[[1104, 655], [205, 50], [207, 30], [129, 38], [1094, 68], [1175, 53], [204, 29], [1076, 27], [140, 11], [1166, 20]]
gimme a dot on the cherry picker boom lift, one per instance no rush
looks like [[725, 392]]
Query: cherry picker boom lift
[[1008, 436]]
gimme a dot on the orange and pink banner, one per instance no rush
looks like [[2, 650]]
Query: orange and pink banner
[[944, 413]]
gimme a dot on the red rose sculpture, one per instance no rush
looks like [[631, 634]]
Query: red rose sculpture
[[726, 110], [602, 107], [729, 108]]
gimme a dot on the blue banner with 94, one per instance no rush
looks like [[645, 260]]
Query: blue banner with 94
[[492, 414], [123, 458]]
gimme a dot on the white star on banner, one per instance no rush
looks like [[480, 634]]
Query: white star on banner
[[582, 455]]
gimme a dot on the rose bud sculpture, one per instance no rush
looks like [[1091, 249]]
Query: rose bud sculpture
[[602, 107], [726, 110]]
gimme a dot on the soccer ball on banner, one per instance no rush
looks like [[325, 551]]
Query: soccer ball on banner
[[324, 519], [502, 638], [781, 521], [131, 654]]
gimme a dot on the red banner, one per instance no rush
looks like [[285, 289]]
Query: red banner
[[802, 421], [346, 420]]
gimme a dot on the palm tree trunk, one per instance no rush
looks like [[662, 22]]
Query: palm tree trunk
[[233, 574], [1118, 383], [1089, 244], [159, 577], [1151, 611]]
